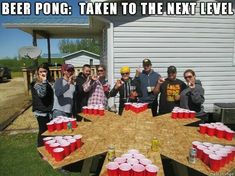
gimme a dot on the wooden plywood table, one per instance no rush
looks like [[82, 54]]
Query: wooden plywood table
[[136, 131]]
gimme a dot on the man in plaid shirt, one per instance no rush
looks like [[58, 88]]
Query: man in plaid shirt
[[97, 87]]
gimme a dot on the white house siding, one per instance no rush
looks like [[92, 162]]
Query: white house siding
[[202, 43], [81, 60]]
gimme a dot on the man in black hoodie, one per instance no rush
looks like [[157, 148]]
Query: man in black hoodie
[[81, 97]]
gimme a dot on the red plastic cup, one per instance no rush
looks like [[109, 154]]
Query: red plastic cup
[[106, 87], [151, 170], [127, 156], [52, 147], [174, 114], [127, 106], [224, 157], [73, 144], [125, 169], [65, 124], [213, 149], [47, 144], [232, 148], [50, 126], [229, 151], [101, 111], [186, 114], [120, 160], [196, 143], [138, 170], [59, 125], [90, 110], [133, 151], [200, 149], [66, 147], [74, 123], [95, 111], [205, 156], [207, 144], [192, 114], [112, 168], [145, 106], [229, 134], [145, 161], [138, 156], [132, 161], [220, 133], [85, 110], [45, 139], [180, 114], [78, 140], [215, 162], [210, 130], [203, 128], [58, 154]]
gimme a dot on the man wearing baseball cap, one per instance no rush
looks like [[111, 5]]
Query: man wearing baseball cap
[[148, 78], [64, 89], [128, 89], [169, 89]]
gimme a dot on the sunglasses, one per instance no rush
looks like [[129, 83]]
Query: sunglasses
[[186, 77], [125, 73], [100, 70]]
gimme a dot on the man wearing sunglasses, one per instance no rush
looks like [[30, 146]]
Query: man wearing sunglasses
[[97, 87], [169, 89], [128, 89], [192, 97], [148, 79]]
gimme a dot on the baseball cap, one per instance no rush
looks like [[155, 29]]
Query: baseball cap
[[125, 69], [147, 62], [171, 69], [67, 67]]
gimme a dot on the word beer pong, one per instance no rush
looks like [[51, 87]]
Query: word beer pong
[[132, 163], [59, 147], [215, 156], [136, 107], [217, 129], [61, 123], [93, 110], [180, 113]]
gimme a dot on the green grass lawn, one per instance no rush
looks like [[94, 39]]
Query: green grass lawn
[[19, 157]]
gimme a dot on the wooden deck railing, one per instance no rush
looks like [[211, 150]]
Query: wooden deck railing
[[29, 75]]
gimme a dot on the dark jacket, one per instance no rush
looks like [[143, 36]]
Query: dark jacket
[[80, 97], [124, 92], [42, 97]]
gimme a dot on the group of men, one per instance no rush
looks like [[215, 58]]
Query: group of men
[[69, 94], [145, 87]]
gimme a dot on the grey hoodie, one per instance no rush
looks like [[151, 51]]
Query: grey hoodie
[[193, 99]]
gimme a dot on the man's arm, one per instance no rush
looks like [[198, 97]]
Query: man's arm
[[59, 88]]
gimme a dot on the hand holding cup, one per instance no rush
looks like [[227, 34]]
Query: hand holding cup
[[191, 85], [43, 76]]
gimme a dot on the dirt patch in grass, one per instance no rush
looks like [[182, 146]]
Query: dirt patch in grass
[[24, 121], [12, 98]]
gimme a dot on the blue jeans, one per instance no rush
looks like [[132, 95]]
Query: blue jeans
[[60, 113]]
